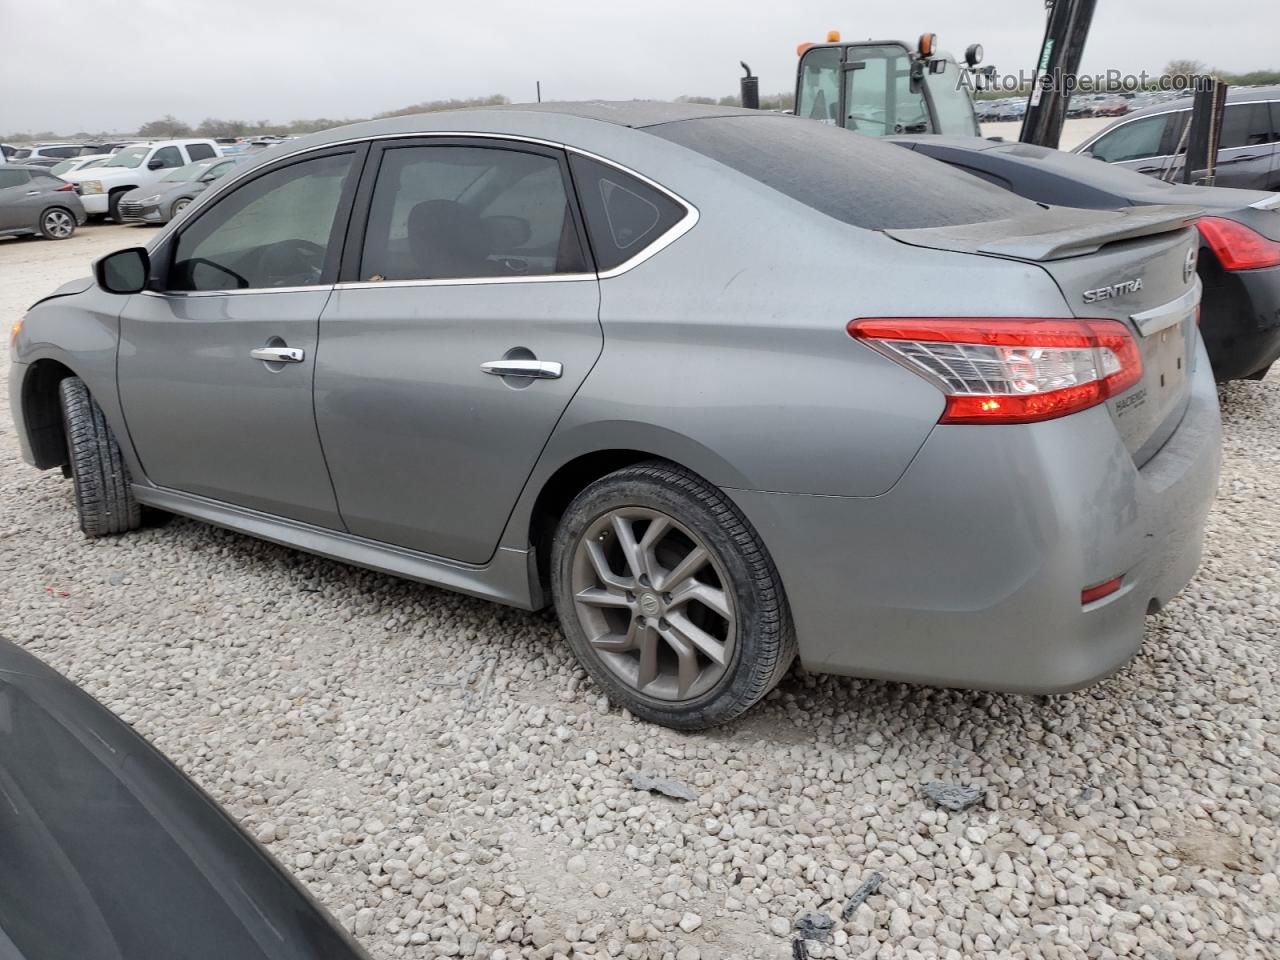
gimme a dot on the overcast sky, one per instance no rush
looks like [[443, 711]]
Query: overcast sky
[[113, 64]]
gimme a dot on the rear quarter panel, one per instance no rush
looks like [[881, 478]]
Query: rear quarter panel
[[728, 351]]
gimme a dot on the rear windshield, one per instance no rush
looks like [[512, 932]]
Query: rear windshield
[[854, 178]]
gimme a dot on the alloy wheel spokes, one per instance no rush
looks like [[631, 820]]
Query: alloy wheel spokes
[[654, 603]]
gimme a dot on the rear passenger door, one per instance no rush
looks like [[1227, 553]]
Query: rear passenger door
[[15, 185], [466, 319]]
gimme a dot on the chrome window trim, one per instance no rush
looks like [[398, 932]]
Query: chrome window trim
[[234, 293], [1164, 113], [673, 233]]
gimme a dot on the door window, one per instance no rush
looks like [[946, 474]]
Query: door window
[[167, 157], [1136, 140], [878, 97], [200, 151], [12, 178], [449, 212], [274, 231], [624, 215], [1246, 125], [819, 84]]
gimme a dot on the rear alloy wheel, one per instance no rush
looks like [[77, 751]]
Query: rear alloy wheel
[[57, 224], [669, 599], [103, 489]]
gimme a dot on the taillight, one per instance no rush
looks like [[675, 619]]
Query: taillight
[[71, 187], [1010, 370], [1238, 247]]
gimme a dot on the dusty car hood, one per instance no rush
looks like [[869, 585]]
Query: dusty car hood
[[111, 853]]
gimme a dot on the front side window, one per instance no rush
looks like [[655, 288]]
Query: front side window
[[453, 212], [274, 231], [12, 178], [168, 158], [819, 94], [878, 97], [624, 215], [1136, 140], [200, 151]]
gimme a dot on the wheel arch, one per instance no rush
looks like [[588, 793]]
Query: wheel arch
[[42, 412], [583, 455]]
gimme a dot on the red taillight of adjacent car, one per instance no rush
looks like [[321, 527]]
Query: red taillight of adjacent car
[[1100, 592], [1010, 370], [1238, 247], [65, 188]]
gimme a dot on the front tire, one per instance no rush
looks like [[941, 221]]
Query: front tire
[[103, 488], [178, 206], [113, 205], [57, 223], [669, 599]]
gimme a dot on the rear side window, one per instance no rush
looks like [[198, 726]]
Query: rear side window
[[200, 151], [12, 178], [858, 180], [624, 215], [1246, 125]]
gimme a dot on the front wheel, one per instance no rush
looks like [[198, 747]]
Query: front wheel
[[669, 599], [178, 206], [103, 489]]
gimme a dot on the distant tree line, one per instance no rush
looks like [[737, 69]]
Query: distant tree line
[[170, 126], [768, 101]]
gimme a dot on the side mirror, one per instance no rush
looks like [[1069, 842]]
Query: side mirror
[[124, 271], [155, 164]]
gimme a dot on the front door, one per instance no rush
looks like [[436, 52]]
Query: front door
[[470, 320], [215, 371]]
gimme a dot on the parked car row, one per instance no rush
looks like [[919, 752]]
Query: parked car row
[[34, 201]]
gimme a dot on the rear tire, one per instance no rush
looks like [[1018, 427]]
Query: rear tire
[[634, 624], [103, 488], [57, 223]]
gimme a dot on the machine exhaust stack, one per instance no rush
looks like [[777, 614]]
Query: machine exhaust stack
[[1060, 56], [750, 88]]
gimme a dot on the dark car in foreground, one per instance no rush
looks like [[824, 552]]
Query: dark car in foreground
[[160, 202], [1149, 140], [34, 201], [109, 852], [720, 385], [1239, 259]]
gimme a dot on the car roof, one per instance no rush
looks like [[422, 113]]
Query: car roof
[[1234, 95], [629, 113], [29, 167]]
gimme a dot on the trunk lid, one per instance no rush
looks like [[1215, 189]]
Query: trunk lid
[[1135, 265]]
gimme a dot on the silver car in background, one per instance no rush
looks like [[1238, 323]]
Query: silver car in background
[[722, 386], [34, 201], [160, 202]]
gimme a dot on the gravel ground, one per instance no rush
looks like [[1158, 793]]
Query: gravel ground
[[439, 772]]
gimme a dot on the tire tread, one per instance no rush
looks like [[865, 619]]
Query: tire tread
[[103, 488]]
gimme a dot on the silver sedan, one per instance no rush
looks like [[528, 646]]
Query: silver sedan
[[723, 387], [33, 201]]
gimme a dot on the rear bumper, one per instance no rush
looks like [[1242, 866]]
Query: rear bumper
[[1240, 321], [968, 573]]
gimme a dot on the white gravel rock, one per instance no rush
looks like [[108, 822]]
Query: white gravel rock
[[445, 779]]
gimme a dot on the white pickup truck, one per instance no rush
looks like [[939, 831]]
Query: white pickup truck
[[101, 188]]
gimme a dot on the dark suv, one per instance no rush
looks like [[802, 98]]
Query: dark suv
[[1249, 156]]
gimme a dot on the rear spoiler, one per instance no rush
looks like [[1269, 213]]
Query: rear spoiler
[[1270, 203], [1053, 233]]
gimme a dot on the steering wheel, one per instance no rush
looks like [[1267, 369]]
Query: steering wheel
[[292, 263]]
